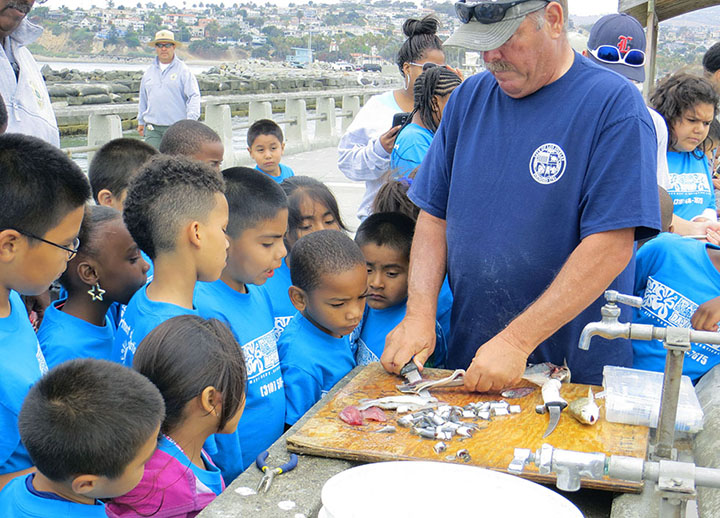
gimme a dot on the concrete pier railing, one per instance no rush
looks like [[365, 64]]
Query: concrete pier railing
[[105, 121]]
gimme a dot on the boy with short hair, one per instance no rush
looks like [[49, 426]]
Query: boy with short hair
[[177, 214], [385, 239], [266, 145], [195, 140], [89, 426], [329, 285], [42, 195], [257, 223], [112, 168]]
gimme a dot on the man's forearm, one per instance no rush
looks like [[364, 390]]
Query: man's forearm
[[589, 270], [428, 260]]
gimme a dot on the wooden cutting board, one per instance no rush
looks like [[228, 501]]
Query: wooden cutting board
[[326, 435]]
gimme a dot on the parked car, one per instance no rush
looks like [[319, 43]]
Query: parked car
[[343, 66], [371, 67]]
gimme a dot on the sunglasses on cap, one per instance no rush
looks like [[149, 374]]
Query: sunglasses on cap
[[611, 54], [485, 12], [164, 45]]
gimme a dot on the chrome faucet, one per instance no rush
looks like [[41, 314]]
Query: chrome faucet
[[676, 341], [610, 326]]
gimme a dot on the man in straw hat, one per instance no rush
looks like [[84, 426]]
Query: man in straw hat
[[537, 183], [169, 92]]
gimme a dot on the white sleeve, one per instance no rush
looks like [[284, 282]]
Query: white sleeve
[[661, 133], [361, 156]]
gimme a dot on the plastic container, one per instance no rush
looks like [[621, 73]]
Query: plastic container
[[633, 396]]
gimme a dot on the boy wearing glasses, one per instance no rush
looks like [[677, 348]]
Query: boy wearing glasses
[[43, 194], [169, 92]]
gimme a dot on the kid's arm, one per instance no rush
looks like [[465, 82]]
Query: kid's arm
[[707, 316]]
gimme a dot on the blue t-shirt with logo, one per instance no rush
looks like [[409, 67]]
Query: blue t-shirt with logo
[[141, 316], [520, 183], [285, 172], [410, 148], [65, 337], [374, 328], [691, 187], [19, 499], [249, 316], [674, 275], [312, 362], [23, 364], [277, 289]]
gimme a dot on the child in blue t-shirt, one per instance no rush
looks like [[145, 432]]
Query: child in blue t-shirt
[[177, 213], [110, 172], [195, 140], [257, 224], [385, 239], [392, 197], [89, 426], [329, 288], [674, 275], [42, 194], [200, 370], [431, 92], [266, 145], [311, 207], [108, 269], [688, 104]]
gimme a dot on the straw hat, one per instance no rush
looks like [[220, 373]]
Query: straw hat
[[164, 36]]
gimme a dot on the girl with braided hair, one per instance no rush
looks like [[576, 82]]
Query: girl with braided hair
[[364, 150], [432, 91]]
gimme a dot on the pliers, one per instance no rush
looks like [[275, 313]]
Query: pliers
[[270, 472]]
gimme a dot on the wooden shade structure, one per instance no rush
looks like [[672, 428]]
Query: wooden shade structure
[[650, 13]]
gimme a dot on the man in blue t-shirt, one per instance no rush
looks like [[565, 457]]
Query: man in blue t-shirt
[[540, 177], [257, 223]]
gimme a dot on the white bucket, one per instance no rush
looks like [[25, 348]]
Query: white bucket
[[418, 489]]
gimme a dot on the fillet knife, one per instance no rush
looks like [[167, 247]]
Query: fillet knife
[[553, 404]]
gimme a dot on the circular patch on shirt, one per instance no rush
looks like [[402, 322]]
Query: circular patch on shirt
[[173, 77], [547, 163]]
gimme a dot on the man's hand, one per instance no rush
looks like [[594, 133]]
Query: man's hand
[[412, 337], [707, 316], [498, 364], [141, 130], [387, 139]]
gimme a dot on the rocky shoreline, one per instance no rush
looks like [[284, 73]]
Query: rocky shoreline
[[70, 87]]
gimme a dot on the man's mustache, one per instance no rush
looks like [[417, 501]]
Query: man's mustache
[[499, 66], [20, 6]]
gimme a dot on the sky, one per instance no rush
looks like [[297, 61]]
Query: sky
[[577, 7]]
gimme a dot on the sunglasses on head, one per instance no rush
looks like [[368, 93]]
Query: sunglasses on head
[[164, 45], [611, 54], [485, 12], [428, 65]]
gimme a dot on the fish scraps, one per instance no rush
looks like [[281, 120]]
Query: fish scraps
[[353, 416]]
